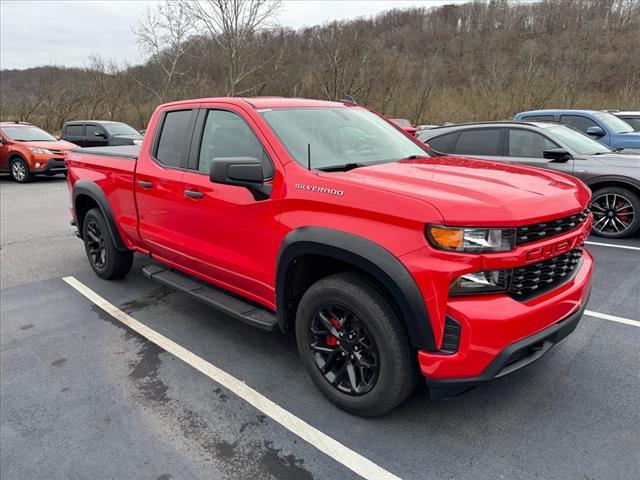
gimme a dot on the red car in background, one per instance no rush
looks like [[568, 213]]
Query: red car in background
[[26, 151]]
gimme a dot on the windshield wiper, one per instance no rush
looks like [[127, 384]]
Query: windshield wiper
[[342, 168]]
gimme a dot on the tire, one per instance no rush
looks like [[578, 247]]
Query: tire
[[381, 389], [20, 171], [616, 212], [106, 260]]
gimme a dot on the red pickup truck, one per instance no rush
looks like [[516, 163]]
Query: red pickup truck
[[386, 259]]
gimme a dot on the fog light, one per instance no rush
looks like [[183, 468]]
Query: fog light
[[37, 164], [489, 281]]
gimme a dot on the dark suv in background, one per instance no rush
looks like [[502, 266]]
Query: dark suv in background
[[613, 177], [100, 133]]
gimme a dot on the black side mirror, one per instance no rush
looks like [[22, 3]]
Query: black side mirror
[[556, 155], [240, 171], [595, 131]]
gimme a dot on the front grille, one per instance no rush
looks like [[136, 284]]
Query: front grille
[[538, 278], [539, 231], [451, 338]]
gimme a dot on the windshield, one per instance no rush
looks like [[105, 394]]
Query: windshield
[[121, 129], [577, 141], [28, 134], [338, 136], [613, 123]]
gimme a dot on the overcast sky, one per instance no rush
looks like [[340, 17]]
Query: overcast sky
[[34, 32]]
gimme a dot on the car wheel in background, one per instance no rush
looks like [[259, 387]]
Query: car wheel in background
[[616, 212], [20, 171]]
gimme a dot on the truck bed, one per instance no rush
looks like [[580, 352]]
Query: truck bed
[[123, 151]]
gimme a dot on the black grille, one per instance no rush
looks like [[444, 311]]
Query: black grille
[[538, 278], [538, 231], [451, 339]]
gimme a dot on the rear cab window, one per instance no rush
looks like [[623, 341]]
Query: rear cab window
[[174, 137]]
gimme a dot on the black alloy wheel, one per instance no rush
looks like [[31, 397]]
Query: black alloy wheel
[[343, 349], [96, 246]]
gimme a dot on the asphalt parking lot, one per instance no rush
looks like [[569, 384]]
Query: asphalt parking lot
[[84, 396]]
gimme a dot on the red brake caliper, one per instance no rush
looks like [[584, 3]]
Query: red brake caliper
[[623, 216], [331, 340]]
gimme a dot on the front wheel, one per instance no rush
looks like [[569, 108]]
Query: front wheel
[[353, 346], [106, 260], [616, 212], [20, 171]]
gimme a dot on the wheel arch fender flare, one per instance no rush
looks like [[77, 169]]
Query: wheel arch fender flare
[[633, 185], [90, 189], [367, 256]]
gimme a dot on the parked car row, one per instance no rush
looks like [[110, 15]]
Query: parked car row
[[27, 151]]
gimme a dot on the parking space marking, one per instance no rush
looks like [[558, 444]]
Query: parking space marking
[[612, 318], [627, 247], [326, 444]]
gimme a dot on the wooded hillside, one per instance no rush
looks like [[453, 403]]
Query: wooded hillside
[[474, 61]]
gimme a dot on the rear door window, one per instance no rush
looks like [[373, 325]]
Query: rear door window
[[443, 143], [538, 118], [484, 141], [74, 131], [174, 138], [578, 122]]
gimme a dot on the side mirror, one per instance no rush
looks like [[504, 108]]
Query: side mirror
[[242, 172], [595, 131], [556, 155]]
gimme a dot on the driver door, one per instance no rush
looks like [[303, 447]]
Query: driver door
[[231, 237]]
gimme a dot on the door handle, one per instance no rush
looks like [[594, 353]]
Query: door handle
[[193, 194], [145, 184]]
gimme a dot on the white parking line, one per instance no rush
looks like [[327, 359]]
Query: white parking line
[[330, 447], [627, 247], [612, 318]]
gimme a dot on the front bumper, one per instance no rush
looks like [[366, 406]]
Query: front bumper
[[50, 166], [514, 357]]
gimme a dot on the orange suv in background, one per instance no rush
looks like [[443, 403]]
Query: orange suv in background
[[26, 151]]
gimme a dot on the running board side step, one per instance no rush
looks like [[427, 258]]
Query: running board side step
[[215, 297]]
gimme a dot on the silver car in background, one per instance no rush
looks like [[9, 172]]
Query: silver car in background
[[612, 176]]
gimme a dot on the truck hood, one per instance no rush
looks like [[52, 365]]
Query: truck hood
[[479, 193]]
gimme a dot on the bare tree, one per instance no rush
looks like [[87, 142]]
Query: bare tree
[[233, 24], [163, 34]]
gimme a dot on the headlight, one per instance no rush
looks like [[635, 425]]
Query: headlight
[[489, 281], [44, 151], [471, 240]]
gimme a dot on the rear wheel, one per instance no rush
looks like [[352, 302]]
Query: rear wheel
[[353, 347], [616, 212], [106, 260], [20, 171]]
